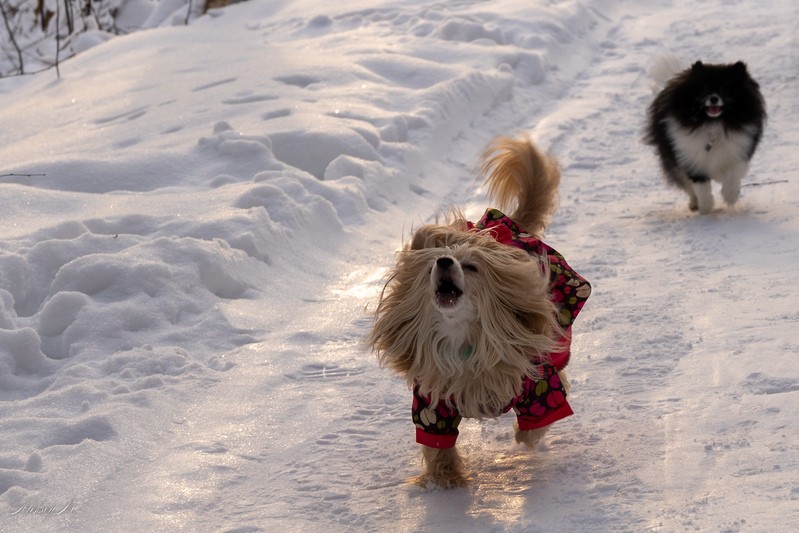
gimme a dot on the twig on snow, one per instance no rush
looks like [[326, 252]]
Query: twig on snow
[[763, 183]]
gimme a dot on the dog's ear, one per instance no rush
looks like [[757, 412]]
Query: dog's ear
[[431, 236], [739, 68], [697, 67], [439, 236], [425, 237]]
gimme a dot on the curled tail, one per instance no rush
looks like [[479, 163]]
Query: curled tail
[[523, 180], [664, 68]]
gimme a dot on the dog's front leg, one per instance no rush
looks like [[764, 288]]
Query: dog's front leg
[[731, 185], [703, 194], [443, 467]]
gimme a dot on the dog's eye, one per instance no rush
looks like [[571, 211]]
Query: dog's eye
[[470, 267]]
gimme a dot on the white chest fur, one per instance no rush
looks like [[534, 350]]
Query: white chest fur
[[709, 150]]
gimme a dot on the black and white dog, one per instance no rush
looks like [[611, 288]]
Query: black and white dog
[[705, 123]]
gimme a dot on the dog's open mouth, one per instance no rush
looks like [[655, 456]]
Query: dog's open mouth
[[714, 105], [447, 278], [447, 294]]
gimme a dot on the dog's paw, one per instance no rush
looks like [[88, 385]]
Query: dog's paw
[[531, 437], [431, 482], [443, 469], [703, 194], [730, 194]]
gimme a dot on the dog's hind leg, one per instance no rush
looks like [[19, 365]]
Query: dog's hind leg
[[679, 178], [530, 437], [693, 203]]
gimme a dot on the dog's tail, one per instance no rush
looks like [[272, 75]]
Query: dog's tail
[[522, 179], [664, 68]]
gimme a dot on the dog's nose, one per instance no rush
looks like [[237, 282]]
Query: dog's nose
[[444, 262], [714, 99]]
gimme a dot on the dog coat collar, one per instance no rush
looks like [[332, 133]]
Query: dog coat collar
[[569, 289]]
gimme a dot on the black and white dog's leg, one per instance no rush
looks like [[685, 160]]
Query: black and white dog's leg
[[731, 184], [702, 197]]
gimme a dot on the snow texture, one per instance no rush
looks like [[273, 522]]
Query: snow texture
[[197, 220]]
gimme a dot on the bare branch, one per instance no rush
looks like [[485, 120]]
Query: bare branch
[[13, 40], [57, 38], [20, 175], [763, 183]]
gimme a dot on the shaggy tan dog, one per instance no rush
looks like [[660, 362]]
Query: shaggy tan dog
[[477, 317]]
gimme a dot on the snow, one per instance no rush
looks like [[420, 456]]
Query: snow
[[197, 221]]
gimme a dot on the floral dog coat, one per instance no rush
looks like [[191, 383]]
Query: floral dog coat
[[540, 402]]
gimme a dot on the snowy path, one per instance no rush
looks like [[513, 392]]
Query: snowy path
[[653, 349], [684, 377]]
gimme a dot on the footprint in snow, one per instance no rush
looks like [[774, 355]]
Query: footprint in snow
[[759, 383]]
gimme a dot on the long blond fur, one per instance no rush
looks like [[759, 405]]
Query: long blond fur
[[523, 181], [511, 335]]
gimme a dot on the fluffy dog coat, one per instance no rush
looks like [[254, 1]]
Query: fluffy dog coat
[[477, 317]]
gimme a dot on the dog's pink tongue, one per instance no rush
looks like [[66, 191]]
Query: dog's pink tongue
[[714, 110]]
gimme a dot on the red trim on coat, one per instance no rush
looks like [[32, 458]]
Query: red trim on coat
[[527, 423], [435, 441]]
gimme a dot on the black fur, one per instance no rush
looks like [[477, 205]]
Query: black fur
[[683, 100]]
